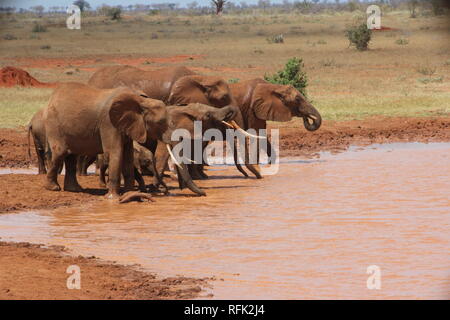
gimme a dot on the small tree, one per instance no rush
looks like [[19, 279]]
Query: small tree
[[114, 13], [359, 36], [412, 5], [82, 4], [219, 5], [293, 74]]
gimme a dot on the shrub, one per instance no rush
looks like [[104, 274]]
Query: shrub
[[402, 41], [359, 36], [39, 28], [293, 74], [233, 80], [426, 70], [276, 39], [46, 47], [114, 13]]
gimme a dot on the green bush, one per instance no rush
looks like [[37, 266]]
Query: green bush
[[359, 36], [293, 74]]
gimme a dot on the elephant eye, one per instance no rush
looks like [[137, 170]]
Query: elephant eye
[[143, 95]]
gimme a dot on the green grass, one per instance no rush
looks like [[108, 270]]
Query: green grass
[[343, 108], [17, 105]]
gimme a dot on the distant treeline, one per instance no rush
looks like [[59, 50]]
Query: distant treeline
[[435, 7]]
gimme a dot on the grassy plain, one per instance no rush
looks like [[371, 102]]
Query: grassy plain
[[394, 78]]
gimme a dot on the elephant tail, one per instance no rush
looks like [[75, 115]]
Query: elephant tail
[[29, 148]]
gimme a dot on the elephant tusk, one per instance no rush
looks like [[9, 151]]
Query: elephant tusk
[[173, 157], [236, 126], [227, 124]]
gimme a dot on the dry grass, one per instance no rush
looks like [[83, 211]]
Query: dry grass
[[344, 83]]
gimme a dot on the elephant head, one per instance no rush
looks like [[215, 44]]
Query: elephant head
[[138, 116], [281, 103], [183, 117], [212, 91]]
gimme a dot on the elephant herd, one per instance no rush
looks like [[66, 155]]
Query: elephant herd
[[124, 118]]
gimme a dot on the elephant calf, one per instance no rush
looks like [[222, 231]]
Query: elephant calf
[[82, 120]]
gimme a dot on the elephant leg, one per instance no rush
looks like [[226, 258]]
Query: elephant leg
[[70, 178], [80, 160], [196, 172], [236, 159], [254, 168], [160, 161], [128, 165], [41, 161], [115, 170], [58, 153], [40, 154], [86, 164], [157, 177], [102, 170], [140, 180]]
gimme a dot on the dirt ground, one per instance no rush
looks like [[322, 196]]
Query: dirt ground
[[32, 271]]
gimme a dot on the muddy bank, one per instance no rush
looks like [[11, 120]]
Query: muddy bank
[[26, 191], [333, 135], [339, 135], [31, 271]]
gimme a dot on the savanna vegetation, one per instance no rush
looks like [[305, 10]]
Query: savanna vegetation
[[403, 71]]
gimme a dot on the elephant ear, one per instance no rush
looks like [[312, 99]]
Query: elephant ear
[[127, 116], [187, 89], [267, 103]]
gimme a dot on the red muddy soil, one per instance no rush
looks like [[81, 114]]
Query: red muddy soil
[[11, 77], [87, 62], [31, 271]]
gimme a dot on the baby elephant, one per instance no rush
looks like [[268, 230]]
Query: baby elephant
[[143, 164], [82, 120]]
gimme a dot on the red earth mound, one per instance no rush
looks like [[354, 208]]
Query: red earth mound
[[10, 77]]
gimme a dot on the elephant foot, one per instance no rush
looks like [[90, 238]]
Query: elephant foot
[[52, 186], [102, 184], [73, 188], [199, 176]]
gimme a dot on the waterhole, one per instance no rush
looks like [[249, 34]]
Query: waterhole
[[310, 231]]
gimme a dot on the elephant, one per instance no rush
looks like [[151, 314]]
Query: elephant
[[174, 86], [260, 101], [178, 117], [142, 162], [82, 120]]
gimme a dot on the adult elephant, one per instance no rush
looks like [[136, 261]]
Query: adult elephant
[[178, 117], [82, 120], [260, 101], [174, 86]]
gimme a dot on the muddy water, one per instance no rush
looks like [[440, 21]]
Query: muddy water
[[310, 231]]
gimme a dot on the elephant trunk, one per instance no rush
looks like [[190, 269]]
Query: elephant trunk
[[314, 116], [185, 176]]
